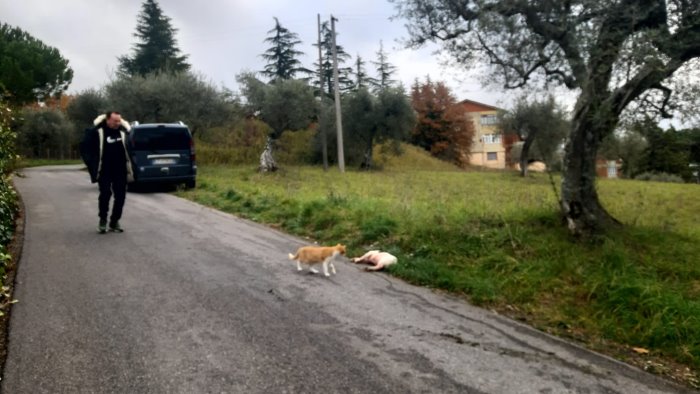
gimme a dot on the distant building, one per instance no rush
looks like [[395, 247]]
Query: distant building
[[488, 149], [609, 168]]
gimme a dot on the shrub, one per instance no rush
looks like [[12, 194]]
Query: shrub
[[8, 197], [659, 177], [47, 133]]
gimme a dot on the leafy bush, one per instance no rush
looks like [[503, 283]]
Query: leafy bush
[[47, 133], [7, 140], [8, 209], [52, 134], [659, 177], [168, 97], [84, 108], [242, 142], [233, 144], [8, 197]]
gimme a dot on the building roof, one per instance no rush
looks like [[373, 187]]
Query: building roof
[[475, 106]]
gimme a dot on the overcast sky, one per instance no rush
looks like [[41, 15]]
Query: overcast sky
[[224, 37]]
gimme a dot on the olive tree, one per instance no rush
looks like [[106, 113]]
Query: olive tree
[[285, 105], [170, 97], [612, 53], [541, 125]]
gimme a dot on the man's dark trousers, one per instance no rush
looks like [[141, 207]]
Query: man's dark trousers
[[112, 184]]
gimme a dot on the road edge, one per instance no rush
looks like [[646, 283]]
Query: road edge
[[602, 360]]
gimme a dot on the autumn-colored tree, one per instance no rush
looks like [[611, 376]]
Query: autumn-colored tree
[[58, 103], [442, 126]]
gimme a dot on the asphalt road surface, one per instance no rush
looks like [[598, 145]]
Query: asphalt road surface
[[191, 300]]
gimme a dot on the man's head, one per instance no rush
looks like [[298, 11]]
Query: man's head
[[113, 120]]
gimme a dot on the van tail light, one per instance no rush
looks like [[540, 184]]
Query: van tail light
[[193, 156]]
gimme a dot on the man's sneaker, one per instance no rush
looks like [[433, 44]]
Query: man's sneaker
[[102, 227], [115, 227]]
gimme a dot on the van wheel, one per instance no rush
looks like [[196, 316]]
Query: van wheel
[[190, 184], [132, 187]]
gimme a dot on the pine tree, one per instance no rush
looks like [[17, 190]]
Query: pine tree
[[359, 73], [157, 49], [385, 70], [344, 80], [282, 57], [29, 69]]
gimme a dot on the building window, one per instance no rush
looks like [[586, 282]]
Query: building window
[[492, 138], [489, 120], [612, 169], [492, 156]]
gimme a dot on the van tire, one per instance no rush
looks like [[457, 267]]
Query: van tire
[[191, 184]]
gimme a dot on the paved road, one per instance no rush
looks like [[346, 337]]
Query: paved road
[[190, 300]]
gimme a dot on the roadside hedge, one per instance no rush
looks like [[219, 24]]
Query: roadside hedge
[[8, 196]]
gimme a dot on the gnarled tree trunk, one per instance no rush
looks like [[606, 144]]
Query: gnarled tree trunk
[[267, 161], [524, 154], [579, 200], [367, 160]]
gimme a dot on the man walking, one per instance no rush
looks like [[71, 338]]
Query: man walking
[[105, 154]]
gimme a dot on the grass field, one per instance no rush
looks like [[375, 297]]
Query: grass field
[[497, 239]]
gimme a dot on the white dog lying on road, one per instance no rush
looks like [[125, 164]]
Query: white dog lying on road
[[377, 259]]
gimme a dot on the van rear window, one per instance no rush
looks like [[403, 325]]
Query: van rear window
[[161, 138]]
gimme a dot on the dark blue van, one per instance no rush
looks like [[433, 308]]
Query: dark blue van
[[162, 153]]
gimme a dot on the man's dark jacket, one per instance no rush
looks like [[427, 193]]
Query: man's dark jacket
[[92, 148]]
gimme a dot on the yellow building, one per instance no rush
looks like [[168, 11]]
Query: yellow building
[[488, 149]]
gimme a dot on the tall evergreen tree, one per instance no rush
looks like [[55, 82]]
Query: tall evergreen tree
[[282, 57], [667, 151], [157, 49], [385, 70], [344, 79], [360, 77]]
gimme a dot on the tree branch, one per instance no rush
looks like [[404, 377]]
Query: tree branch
[[667, 96], [680, 47], [562, 36], [649, 77]]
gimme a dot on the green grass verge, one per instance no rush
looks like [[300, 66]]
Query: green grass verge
[[26, 163], [496, 238]]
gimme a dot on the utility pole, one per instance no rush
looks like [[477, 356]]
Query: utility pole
[[322, 95], [338, 114]]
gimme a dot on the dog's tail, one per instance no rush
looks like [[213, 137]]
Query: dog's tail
[[293, 257]]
